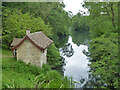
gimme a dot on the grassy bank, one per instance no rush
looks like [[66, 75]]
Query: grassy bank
[[17, 74]]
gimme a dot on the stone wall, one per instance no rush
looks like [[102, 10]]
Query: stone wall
[[29, 53]]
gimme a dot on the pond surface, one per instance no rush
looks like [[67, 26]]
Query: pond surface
[[75, 59]]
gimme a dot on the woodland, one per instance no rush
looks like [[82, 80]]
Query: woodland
[[102, 23]]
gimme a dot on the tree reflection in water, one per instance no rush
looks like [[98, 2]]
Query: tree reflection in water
[[67, 50], [76, 59], [80, 38], [75, 54]]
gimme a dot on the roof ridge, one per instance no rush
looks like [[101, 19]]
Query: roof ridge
[[39, 39], [35, 33]]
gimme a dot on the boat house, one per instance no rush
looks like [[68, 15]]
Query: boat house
[[32, 48]]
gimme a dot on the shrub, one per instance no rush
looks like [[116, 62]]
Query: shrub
[[53, 57]]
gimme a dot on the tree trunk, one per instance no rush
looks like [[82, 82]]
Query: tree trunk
[[113, 21]]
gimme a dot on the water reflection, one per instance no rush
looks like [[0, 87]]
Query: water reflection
[[76, 61], [80, 38], [75, 54], [67, 50], [60, 42]]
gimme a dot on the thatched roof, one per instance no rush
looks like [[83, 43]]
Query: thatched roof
[[39, 39]]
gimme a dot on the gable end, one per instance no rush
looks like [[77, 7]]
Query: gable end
[[26, 37]]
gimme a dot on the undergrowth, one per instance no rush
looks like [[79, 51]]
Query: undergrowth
[[17, 74]]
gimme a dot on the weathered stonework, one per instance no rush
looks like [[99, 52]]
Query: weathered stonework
[[29, 53], [32, 48]]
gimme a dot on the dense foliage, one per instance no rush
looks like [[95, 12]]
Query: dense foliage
[[15, 24], [53, 57], [50, 18], [79, 23], [53, 21], [103, 22], [52, 14]]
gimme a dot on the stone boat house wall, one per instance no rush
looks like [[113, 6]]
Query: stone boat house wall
[[29, 53]]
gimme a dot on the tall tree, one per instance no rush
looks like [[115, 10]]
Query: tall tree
[[15, 23], [51, 12], [79, 23], [103, 21]]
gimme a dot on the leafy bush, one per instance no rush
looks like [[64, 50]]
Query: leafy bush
[[52, 75], [53, 57], [15, 24]]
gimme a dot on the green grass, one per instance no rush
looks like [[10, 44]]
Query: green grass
[[6, 52], [17, 74], [14, 74]]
